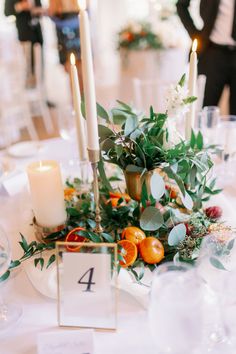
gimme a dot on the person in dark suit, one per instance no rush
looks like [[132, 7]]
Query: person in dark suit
[[27, 19], [217, 46]]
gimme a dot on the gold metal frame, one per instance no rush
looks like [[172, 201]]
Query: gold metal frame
[[89, 244]]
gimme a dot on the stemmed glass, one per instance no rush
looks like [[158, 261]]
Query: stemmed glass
[[9, 313], [72, 167], [208, 120], [216, 265], [226, 138], [178, 309]]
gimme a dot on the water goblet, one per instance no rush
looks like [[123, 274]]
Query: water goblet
[[177, 311], [9, 313]]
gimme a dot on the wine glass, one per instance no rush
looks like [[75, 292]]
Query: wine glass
[[178, 309], [208, 120], [216, 264], [9, 313], [226, 138]]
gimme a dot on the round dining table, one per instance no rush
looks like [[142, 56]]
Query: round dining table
[[39, 314]]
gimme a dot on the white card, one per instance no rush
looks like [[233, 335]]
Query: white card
[[86, 295], [66, 342], [15, 184]]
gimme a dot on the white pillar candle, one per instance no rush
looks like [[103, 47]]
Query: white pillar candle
[[47, 193], [88, 81], [192, 88], [79, 120]]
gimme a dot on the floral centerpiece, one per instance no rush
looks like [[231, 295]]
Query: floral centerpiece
[[138, 36], [153, 206]]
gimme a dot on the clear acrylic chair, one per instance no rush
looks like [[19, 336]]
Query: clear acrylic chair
[[36, 95]]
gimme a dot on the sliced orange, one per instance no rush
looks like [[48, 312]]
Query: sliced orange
[[120, 195], [129, 252], [73, 236]]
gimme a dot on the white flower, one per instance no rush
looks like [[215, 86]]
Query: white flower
[[175, 97]]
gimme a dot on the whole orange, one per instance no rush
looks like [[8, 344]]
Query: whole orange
[[133, 234], [151, 250]]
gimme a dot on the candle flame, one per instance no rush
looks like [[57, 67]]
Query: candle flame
[[194, 46], [72, 59], [82, 4], [40, 165]]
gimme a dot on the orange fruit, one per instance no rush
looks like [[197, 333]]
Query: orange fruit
[[69, 193], [119, 195], [114, 202], [73, 236], [133, 234], [129, 252], [151, 250]]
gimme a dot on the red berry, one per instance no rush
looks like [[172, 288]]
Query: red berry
[[188, 229], [214, 212]]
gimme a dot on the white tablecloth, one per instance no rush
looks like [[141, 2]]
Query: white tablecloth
[[40, 312]]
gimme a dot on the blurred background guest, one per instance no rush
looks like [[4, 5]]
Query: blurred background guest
[[27, 14], [217, 46], [64, 14]]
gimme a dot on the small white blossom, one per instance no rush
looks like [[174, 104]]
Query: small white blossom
[[175, 97]]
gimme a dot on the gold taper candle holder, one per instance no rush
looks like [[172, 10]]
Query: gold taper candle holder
[[94, 158]]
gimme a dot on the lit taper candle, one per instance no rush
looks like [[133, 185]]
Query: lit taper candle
[[88, 80], [79, 120], [192, 88]]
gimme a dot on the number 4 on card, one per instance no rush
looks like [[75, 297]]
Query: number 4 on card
[[89, 282]]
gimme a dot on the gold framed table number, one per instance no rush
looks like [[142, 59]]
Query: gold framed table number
[[87, 284]]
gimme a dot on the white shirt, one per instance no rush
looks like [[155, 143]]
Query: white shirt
[[222, 31]]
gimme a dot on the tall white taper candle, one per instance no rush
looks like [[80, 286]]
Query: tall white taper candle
[[88, 81], [192, 88], [79, 120]]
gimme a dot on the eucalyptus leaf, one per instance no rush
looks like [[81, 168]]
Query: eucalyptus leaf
[[130, 125], [157, 186], [187, 201], [216, 263], [107, 237], [104, 132], [177, 234], [151, 219]]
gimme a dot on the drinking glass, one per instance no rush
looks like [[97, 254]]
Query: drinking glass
[[216, 261], [9, 313], [226, 138], [208, 120], [178, 308]]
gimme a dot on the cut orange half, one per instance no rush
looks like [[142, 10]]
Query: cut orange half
[[129, 252], [73, 236]]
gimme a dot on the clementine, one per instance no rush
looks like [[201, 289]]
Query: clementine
[[151, 250], [114, 202], [133, 234], [129, 252], [73, 236], [119, 195]]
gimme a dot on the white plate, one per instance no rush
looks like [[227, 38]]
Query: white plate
[[24, 149]]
